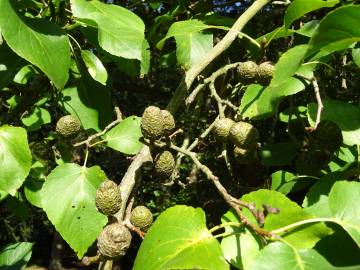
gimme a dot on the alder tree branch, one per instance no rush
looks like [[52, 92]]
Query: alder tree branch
[[180, 93], [233, 202]]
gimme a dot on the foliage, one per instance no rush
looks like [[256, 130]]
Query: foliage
[[286, 199]]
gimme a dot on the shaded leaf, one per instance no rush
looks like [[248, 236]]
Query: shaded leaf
[[90, 101], [339, 249], [187, 243], [344, 201], [46, 46], [286, 182], [316, 201], [68, 198], [15, 256], [9, 64], [345, 115], [278, 154]]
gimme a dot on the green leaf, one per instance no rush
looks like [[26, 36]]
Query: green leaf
[[339, 249], [95, 68], [278, 154], [32, 189], [17, 205], [309, 28], [9, 64], [145, 60], [337, 30], [316, 201], [68, 198], [3, 195], [125, 136], [290, 212], [345, 115], [298, 8], [356, 56], [15, 158], [286, 182], [15, 256], [281, 256], [37, 118], [191, 44], [90, 101], [187, 243], [277, 33], [288, 64], [24, 74], [191, 50], [344, 201], [241, 245], [38, 41], [120, 32]]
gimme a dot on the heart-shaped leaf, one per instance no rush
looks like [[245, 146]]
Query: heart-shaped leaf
[[68, 198], [187, 243]]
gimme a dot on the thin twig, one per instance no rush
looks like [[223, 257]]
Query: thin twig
[[210, 80], [317, 95], [225, 155], [232, 201], [319, 102], [99, 134]]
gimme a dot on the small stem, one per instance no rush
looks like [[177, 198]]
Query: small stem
[[99, 134], [227, 224], [86, 157], [226, 234], [99, 142], [299, 223], [319, 102], [76, 42], [211, 80]]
